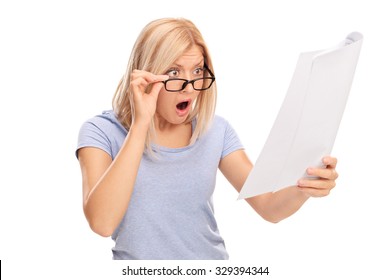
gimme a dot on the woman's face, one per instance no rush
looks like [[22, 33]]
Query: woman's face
[[174, 107]]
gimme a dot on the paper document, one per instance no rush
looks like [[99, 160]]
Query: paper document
[[307, 123]]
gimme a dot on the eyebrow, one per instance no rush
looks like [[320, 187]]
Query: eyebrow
[[196, 64]]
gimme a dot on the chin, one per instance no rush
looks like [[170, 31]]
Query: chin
[[179, 120], [172, 119]]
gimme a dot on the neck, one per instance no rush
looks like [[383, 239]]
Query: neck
[[162, 125], [171, 135]]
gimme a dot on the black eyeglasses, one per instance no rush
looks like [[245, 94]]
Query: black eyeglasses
[[178, 84]]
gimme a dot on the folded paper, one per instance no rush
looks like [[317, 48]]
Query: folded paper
[[306, 126]]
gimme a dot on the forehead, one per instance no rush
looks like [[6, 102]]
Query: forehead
[[191, 57]]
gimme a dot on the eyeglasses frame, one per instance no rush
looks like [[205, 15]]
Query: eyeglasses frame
[[186, 82]]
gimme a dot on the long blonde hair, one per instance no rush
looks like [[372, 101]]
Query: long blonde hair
[[158, 46]]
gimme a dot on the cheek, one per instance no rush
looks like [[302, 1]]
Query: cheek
[[163, 101], [195, 97]]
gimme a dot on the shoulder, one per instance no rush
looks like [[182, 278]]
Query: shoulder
[[219, 127], [220, 123], [106, 117], [221, 136], [102, 131], [106, 122], [222, 127]]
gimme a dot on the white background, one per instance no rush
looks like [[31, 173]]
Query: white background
[[60, 62]]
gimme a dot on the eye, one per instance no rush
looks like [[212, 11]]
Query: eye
[[173, 72], [198, 71]]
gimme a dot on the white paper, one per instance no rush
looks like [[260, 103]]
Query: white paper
[[307, 124]]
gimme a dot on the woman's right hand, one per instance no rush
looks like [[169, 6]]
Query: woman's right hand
[[145, 103]]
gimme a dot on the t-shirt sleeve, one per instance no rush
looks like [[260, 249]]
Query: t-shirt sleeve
[[231, 141], [92, 135]]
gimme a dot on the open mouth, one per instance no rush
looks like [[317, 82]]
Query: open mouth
[[182, 105]]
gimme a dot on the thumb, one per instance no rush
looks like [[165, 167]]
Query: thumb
[[158, 85], [156, 89]]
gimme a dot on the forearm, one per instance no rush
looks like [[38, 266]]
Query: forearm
[[279, 205], [108, 200]]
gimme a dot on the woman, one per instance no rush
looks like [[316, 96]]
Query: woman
[[149, 165]]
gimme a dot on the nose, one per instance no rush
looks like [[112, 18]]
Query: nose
[[188, 88]]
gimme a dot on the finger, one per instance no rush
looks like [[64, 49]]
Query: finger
[[320, 184], [326, 173], [140, 80], [156, 88], [330, 161], [147, 76], [315, 192]]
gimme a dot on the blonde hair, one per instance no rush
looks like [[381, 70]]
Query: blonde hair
[[158, 46]]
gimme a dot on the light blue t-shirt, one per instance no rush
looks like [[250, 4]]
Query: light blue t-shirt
[[171, 214]]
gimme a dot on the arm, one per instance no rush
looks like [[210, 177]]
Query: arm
[[279, 205], [108, 184]]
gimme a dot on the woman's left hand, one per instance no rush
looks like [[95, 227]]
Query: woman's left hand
[[325, 181]]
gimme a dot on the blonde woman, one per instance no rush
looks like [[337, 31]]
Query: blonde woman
[[149, 165]]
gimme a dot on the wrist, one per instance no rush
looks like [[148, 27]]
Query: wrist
[[140, 127], [137, 135], [302, 193]]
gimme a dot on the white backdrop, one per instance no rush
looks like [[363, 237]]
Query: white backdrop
[[60, 62]]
